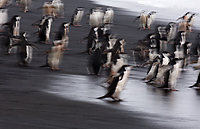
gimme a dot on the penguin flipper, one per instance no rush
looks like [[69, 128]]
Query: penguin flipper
[[136, 18]]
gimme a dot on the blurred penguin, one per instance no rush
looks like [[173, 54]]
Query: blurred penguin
[[24, 49], [96, 17], [117, 86], [143, 20], [25, 5], [58, 8], [77, 16], [150, 19], [95, 62], [109, 16], [62, 35], [3, 16], [44, 31], [14, 25], [39, 23]]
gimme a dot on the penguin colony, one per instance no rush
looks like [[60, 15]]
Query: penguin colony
[[166, 51]]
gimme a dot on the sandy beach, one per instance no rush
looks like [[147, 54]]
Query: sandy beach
[[24, 105]]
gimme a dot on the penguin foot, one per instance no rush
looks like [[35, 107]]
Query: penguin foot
[[173, 90], [76, 25]]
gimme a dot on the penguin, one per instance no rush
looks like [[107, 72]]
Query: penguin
[[118, 83], [14, 25], [171, 76], [39, 23], [6, 40], [163, 67], [77, 16], [95, 62], [153, 70], [24, 50], [115, 66], [48, 9], [58, 8], [153, 50], [5, 3], [4, 16], [25, 5], [54, 56], [44, 32], [150, 19], [111, 42], [143, 20], [108, 16], [96, 17], [94, 39], [62, 35], [171, 30]]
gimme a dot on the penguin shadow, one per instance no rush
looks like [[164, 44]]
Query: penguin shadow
[[113, 101], [159, 90]]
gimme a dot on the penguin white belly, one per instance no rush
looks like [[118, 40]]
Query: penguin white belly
[[48, 30], [121, 84], [93, 19], [65, 41], [78, 17], [108, 17], [143, 21], [4, 16], [29, 52], [16, 29], [152, 71], [55, 56], [117, 66], [150, 21], [174, 75]]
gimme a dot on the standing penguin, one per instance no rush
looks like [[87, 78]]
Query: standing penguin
[[24, 49], [14, 25], [54, 56], [109, 16], [171, 76], [77, 16], [118, 83], [4, 16], [95, 62], [62, 35], [39, 23], [143, 20], [150, 19], [96, 17], [25, 5], [44, 32]]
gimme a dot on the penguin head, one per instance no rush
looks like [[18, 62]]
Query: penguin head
[[80, 8], [152, 12], [16, 17]]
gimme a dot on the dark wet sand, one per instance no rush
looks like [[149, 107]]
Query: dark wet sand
[[23, 105]]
